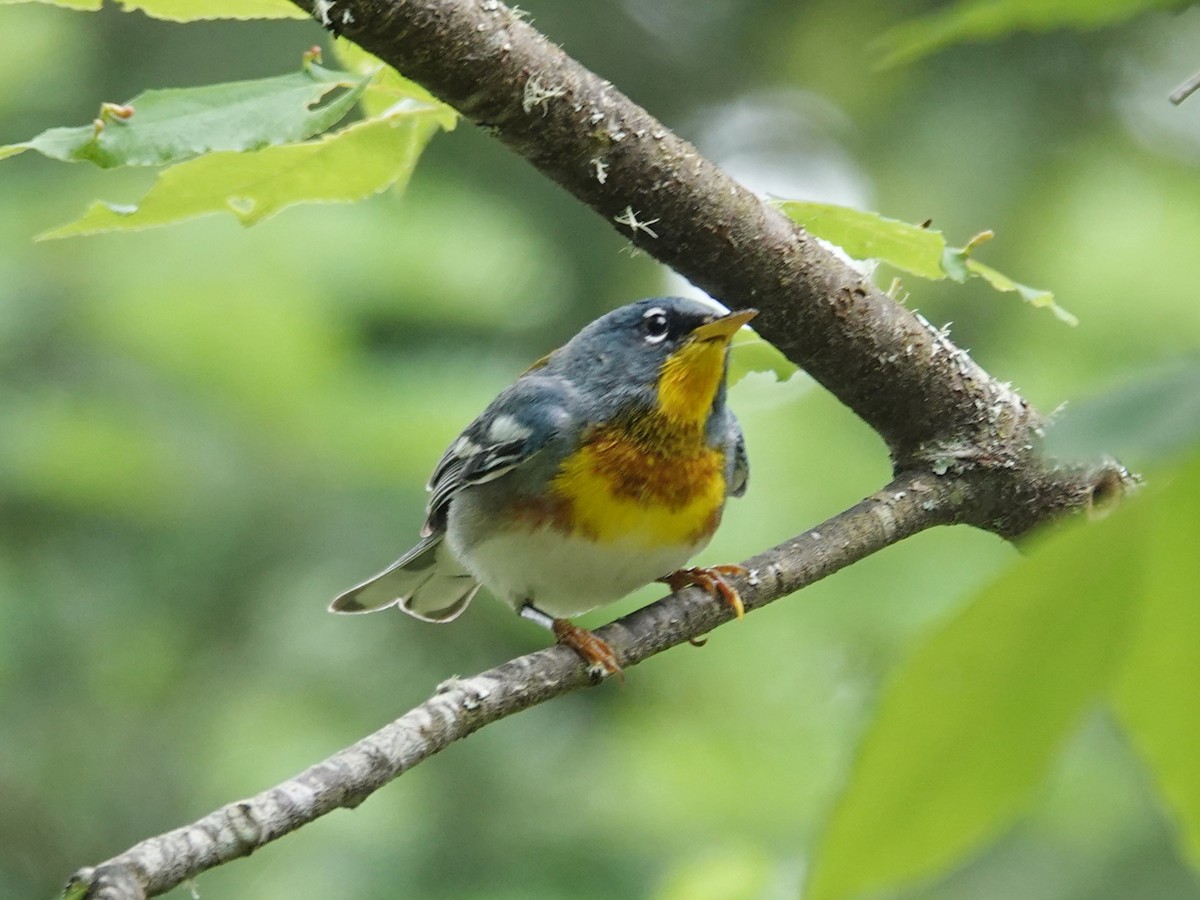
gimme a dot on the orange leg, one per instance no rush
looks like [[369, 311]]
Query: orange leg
[[596, 652], [712, 580]]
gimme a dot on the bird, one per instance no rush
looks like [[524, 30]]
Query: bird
[[604, 467]]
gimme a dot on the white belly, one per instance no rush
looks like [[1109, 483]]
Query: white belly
[[564, 575]]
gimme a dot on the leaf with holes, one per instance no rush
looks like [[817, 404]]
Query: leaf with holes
[[83, 5], [192, 10], [388, 86], [161, 127], [354, 163], [915, 249], [200, 10], [868, 235]]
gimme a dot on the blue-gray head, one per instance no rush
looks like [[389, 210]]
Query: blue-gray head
[[665, 353]]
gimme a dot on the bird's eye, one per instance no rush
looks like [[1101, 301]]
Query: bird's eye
[[654, 326]]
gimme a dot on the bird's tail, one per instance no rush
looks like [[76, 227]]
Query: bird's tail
[[426, 582]]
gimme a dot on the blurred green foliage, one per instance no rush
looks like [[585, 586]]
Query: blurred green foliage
[[973, 20], [206, 432], [994, 693]]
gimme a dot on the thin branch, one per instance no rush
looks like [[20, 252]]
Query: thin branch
[[1185, 90], [461, 706]]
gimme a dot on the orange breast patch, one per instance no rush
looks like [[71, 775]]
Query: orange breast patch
[[620, 486]]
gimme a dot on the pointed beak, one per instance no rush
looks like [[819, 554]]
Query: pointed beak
[[724, 328]]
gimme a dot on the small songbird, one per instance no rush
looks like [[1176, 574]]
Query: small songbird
[[604, 467]]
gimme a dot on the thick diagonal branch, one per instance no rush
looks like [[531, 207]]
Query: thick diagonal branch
[[927, 398], [462, 706]]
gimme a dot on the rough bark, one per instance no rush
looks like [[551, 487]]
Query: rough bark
[[932, 404]]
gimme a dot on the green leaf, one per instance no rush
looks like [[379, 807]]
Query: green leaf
[[1033, 296], [352, 164], [192, 10], [197, 10], [954, 259], [82, 5], [388, 85], [1158, 694], [977, 20], [750, 353], [970, 723], [1145, 421], [160, 127], [868, 235], [911, 248]]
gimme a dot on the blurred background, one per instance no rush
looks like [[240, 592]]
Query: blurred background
[[206, 432]]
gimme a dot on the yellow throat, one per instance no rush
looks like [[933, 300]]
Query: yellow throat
[[656, 482], [691, 375], [689, 381]]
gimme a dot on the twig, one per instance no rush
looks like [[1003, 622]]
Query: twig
[[461, 706], [1185, 90]]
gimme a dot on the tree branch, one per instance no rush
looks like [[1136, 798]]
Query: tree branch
[[462, 706], [1185, 90], [932, 404], [962, 443]]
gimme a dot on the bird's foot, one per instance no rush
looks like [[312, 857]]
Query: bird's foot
[[596, 652], [599, 656], [712, 579]]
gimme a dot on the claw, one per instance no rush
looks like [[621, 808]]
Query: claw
[[712, 579], [599, 656]]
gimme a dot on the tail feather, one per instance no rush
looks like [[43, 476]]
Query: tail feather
[[426, 582]]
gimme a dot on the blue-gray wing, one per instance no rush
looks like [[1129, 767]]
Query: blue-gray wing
[[737, 463], [520, 422]]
